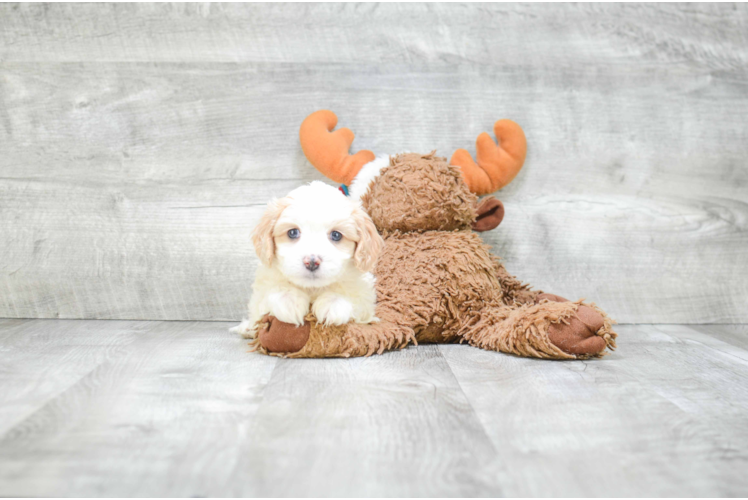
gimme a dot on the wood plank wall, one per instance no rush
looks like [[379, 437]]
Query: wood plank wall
[[139, 143]]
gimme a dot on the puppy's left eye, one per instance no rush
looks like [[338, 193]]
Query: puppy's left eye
[[336, 236]]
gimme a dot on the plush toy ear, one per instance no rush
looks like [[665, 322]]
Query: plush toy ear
[[370, 244], [262, 236], [490, 214]]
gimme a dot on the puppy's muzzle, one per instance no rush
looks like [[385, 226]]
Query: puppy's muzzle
[[312, 262]]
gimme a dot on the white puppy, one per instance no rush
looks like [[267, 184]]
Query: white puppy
[[316, 249]]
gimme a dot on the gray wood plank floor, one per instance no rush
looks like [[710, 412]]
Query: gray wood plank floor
[[136, 408]]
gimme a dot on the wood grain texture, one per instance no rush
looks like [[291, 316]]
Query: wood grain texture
[[736, 335], [123, 408], [140, 143], [143, 416], [43, 359], [712, 35], [395, 425], [663, 416]]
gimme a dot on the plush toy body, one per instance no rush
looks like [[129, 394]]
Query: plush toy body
[[436, 279]]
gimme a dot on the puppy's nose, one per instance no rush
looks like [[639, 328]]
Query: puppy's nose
[[312, 262]]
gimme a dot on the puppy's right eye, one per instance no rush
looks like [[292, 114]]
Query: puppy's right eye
[[293, 233]]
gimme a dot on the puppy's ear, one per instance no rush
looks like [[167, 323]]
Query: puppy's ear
[[262, 236], [370, 244]]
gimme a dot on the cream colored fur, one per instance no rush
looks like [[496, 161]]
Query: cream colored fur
[[366, 175], [342, 288]]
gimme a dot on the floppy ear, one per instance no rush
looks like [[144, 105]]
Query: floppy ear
[[369, 245], [262, 236]]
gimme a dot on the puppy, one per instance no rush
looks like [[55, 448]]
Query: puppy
[[316, 249]]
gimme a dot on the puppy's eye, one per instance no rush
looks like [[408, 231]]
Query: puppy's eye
[[293, 233], [336, 236]]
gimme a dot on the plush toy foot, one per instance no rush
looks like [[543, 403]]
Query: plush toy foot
[[579, 334], [316, 340], [280, 337]]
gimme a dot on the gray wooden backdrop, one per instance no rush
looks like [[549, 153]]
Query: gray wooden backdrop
[[139, 143]]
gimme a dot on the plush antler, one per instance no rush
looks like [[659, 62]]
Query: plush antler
[[497, 165], [328, 150]]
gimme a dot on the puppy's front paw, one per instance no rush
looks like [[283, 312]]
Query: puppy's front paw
[[244, 329], [288, 307], [333, 310]]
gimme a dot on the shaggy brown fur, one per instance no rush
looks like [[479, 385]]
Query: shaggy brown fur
[[412, 195], [437, 281]]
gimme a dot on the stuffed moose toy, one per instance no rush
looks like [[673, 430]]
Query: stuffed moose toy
[[435, 279]]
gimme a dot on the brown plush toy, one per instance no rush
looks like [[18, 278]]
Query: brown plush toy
[[436, 280]]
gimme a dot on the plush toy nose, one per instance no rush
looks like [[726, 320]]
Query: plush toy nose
[[312, 262]]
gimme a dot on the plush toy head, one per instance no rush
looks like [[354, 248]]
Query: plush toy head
[[419, 193], [415, 192]]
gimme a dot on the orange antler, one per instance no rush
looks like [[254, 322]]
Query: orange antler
[[497, 165], [328, 150]]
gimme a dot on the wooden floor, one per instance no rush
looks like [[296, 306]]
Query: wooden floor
[[136, 408]]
